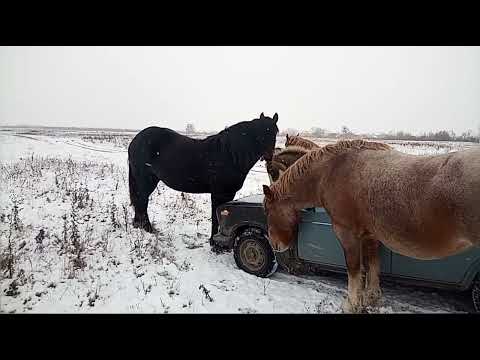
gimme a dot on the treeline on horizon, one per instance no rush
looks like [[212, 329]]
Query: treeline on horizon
[[442, 135], [345, 132]]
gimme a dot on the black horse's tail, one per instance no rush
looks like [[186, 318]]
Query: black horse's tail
[[131, 186]]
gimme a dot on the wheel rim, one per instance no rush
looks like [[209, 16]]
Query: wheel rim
[[252, 255]]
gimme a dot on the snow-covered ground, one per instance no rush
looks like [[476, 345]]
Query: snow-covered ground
[[65, 234]]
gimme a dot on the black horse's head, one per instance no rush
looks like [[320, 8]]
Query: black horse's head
[[266, 134]]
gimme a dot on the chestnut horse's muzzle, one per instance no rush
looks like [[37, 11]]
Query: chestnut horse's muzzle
[[278, 250]]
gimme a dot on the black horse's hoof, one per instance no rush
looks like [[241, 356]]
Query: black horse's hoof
[[149, 229], [216, 249], [144, 226]]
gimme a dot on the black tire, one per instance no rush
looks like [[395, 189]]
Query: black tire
[[253, 254], [476, 294]]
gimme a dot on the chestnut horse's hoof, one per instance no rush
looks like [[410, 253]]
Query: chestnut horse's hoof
[[349, 308], [372, 297]]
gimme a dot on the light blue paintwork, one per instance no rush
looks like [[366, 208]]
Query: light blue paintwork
[[317, 243]]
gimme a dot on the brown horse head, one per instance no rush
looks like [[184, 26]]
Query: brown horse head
[[296, 140], [282, 160], [275, 151], [282, 220], [293, 190]]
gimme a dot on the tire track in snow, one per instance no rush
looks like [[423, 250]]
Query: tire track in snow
[[67, 142]]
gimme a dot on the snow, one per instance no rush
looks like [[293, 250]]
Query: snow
[[114, 268]]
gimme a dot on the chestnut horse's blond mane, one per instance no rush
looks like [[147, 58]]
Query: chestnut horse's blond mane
[[302, 165], [283, 159], [296, 140], [292, 149]]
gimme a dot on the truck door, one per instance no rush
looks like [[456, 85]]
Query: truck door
[[450, 270], [317, 242]]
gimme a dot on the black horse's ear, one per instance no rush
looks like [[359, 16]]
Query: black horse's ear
[[298, 134], [267, 192], [287, 137], [262, 116], [275, 118]]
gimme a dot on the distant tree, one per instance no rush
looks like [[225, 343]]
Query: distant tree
[[402, 135], [318, 132], [466, 135], [346, 131], [442, 135], [190, 129]]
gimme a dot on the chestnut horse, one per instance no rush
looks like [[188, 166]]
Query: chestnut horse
[[425, 207], [299, 141]]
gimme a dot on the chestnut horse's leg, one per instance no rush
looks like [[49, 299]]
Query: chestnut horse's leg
[[371, 257], [352, 248]]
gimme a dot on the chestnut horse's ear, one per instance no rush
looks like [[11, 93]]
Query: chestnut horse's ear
[[262, 116], [275, 118], [267, 192]]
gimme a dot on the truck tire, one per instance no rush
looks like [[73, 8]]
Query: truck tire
[[253, 254], [476, 294]]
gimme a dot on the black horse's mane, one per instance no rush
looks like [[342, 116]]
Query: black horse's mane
[[241, 140]]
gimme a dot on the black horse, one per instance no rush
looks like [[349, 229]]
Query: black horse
[[217, 164]]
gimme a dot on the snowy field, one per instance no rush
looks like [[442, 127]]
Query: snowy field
[[67, 245]]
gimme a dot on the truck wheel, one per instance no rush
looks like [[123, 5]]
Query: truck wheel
[[253, 254], [476, 294]]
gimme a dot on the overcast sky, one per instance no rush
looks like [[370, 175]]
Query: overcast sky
[[368, 89]]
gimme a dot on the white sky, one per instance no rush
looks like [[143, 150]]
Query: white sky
[[368, 89]]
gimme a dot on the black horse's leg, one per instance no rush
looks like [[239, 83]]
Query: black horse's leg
[[143, 185], [217, 200]]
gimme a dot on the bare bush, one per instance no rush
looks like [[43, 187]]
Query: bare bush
[[39, 240], [76, 246], [113, 214], [15, 219], [120, 140], [9, 257], [206, 292], [125, 215]]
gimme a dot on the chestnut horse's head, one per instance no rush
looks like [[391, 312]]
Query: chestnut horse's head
[[291, 140], [296, 140], [282, 220]]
